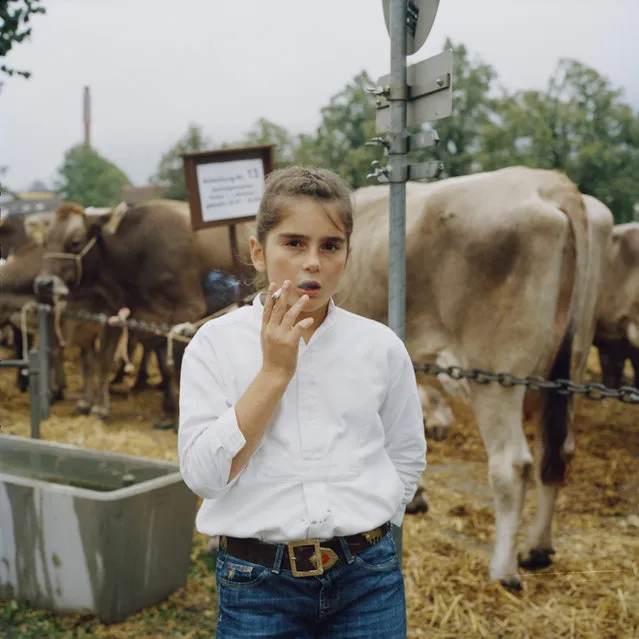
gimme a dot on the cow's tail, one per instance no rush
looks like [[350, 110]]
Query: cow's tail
[[556, 417]]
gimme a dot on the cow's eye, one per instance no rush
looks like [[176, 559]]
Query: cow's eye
[[76, 246]]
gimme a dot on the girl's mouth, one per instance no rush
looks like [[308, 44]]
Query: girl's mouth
[[311, 288]]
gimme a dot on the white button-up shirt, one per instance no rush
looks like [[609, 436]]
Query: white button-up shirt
[[343, 452]]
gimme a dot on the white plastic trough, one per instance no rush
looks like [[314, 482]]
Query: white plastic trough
[[84, 531]]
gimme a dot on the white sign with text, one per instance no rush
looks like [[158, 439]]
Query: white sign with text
[[230, 189]]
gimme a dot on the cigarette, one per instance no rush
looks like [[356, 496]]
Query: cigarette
[[276, 294]]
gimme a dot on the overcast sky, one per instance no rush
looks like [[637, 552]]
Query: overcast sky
[[154, 66]]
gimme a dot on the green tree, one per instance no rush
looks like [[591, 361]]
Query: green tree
[[473, 107], [170, 171], [264, 131], [579, 125], [348, 122], [15, 16], [90, 179]]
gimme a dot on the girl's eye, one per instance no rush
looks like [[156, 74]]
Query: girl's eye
[[293, 243], [330, 246]]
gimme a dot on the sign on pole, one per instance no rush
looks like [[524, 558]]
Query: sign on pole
[[429, 95], [420, 16]]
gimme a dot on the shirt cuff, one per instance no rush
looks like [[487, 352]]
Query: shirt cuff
[[230, 434]]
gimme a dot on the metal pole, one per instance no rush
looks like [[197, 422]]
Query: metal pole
[[397, 162], [34, 392], [44, 389]]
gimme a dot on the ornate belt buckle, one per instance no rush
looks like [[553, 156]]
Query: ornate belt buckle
[[328, 557], [315, 559]]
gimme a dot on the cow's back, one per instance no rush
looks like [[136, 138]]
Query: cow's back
[[486, 257], [619, 299]]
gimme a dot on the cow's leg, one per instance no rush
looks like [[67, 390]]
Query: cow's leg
[[109, 343], [634, 358], [142, 378], [119, 374], [131, 346], [171, 392], [539, 549], [499, 415], [85, 403], [58, 379], [22, 375], [612, 357], [539, 544]]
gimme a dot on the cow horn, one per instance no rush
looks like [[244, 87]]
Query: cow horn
[[632, 333], [115, 218]]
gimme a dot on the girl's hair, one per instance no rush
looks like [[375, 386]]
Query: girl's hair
[[297, 181], [301, 181]]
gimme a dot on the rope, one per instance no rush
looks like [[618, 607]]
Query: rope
[[58, 308], [178, 331], [122, 349], [29, 306]]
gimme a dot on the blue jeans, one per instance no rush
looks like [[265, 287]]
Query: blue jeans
[[360, 597]]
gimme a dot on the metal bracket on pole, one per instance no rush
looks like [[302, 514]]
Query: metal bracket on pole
[[425, 170], [423, 140], [396, 173]]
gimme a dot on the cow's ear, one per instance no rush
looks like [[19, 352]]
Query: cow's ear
[[106, 221], [96, 222]]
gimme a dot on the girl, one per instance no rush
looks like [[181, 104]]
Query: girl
[[302, 430]]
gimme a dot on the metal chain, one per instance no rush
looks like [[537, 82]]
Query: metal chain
[[103, 319], [591, 390]]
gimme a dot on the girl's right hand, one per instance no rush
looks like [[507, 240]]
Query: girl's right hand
[[280, 332]]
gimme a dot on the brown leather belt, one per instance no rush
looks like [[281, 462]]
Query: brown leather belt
[[305, 558]]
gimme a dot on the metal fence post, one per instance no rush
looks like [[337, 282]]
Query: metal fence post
[[34, 392], [397, 162], [44, 336]]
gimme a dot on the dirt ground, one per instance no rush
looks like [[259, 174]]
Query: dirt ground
[[591, 590]]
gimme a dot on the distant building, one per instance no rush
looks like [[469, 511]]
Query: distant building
[[20, 203], [135, 194]]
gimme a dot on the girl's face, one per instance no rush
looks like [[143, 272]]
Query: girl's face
[[308, 248]]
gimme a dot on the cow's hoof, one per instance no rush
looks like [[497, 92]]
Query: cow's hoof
[[139, 387], [512, 583], [82, 408], [536, 558], [164, 426], [437, 433], [100, 412], [57, 396], [418, 504], [23, 380]]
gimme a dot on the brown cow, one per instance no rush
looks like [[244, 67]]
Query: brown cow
[[17, 231], [17, 276], [503, 273], [144, 261], [617, 329]]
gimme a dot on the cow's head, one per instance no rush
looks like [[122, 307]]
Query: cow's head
[[73, 243]]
